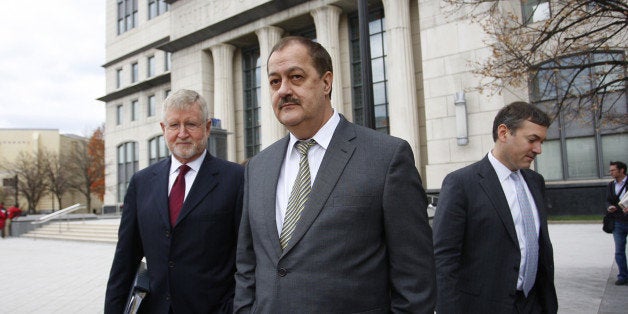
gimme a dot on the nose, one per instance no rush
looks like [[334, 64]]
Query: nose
[[284, 89], [537, 148], [182, 132]]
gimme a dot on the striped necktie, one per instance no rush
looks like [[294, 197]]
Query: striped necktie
[[299, 195], [529, 232]]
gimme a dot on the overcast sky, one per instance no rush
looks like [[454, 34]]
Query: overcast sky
[[51, 54]]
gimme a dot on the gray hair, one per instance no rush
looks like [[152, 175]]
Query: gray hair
[[183, 99]]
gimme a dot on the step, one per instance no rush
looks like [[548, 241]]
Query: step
[[88, 231]]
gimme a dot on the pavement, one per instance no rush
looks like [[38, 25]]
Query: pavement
[[49, 276]]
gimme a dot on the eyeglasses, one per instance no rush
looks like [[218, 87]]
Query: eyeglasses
[[189, 126]]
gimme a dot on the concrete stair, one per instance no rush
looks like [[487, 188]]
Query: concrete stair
[[102, 231]]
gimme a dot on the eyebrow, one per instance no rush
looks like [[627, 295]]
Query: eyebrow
[[289, 70]]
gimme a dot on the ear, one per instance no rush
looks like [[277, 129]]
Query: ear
[[502, 132], [327, 79], [208, 126], [163, 128]]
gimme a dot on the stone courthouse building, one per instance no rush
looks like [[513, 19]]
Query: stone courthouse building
[[420, 58]]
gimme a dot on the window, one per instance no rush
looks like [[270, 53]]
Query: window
[[118, 78], [534, 10], [127, 15], [152, 106], [150, 66], [127, 166], [119, 114], [157, 149], [157, 7], [135, 110], [575, 76], [377, 36], [580, 147], [134, 72], [252, 94], [167, 61]]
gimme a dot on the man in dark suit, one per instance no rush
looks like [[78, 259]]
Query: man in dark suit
[[182, 214], [337, 225], [614, 192], [492, 247]]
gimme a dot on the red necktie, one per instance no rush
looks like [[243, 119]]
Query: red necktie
[[177, 193]]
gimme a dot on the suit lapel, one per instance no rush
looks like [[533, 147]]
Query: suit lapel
[[336, 158], [206, 180], [268, 190], [161, 177], [493, 190]]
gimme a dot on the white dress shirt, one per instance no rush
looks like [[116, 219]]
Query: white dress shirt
[[190, 176], [290, 167], [508, 185]]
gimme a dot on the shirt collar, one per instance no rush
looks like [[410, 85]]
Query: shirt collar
[[323, 136], [503, 172], [194, 164]]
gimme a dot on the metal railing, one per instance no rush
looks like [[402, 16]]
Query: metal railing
[[58, 214]]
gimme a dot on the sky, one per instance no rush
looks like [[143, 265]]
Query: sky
[[51, 57]]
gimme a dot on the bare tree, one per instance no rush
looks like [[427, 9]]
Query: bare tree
[[32, 180], [87, 162], [573, 57], [57, 174]]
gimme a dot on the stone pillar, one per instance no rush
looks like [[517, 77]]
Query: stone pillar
[[327, 22], [271, 129], [402, 95], [224, 104]]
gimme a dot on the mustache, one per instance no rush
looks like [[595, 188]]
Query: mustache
[[288, 99]]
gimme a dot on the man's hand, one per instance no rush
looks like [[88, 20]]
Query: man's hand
[[612, 209]]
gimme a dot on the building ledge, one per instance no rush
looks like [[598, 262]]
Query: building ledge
[[152, 82]]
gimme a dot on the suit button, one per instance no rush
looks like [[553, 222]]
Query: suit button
[[167, 234], [282, 272], [168, 298], [171, 264]]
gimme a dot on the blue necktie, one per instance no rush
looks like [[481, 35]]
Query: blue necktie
[[529, 232]]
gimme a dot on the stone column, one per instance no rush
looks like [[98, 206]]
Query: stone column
[[402, 95], [327, 22], [271, 129], [224, 104]]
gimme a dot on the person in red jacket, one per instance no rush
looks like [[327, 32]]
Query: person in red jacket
[[3, 218], [12, 212]]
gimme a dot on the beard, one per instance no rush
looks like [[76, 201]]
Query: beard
[[187, 151]]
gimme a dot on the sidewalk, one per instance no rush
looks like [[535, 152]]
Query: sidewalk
[[45, 276]]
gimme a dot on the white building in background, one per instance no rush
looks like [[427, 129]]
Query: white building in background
[[420, 56], [13, 142]]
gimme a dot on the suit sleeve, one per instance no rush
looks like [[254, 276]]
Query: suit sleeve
[[127, 256], [408, 236], [449, 227], [245, 259]]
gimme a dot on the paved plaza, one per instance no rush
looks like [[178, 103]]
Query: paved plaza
[[47, 276]]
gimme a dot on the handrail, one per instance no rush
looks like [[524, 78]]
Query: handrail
[[58, 213]]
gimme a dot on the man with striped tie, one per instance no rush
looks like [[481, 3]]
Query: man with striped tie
[[334, 217]]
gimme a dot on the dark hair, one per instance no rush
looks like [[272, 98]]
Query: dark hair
[[515, 113], [321, 60], [619, 165]]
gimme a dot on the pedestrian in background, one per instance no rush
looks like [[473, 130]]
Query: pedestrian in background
[[3, 219], [491, 243], [615, 191]]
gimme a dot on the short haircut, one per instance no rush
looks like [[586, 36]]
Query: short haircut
[[619, 165], [515, 113], [182, 99], [321, 60]]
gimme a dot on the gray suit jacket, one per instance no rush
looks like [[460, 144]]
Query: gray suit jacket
[[363, 243], [475, 244]]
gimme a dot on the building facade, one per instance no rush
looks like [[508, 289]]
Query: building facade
[[36, 141], [420, 57]]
